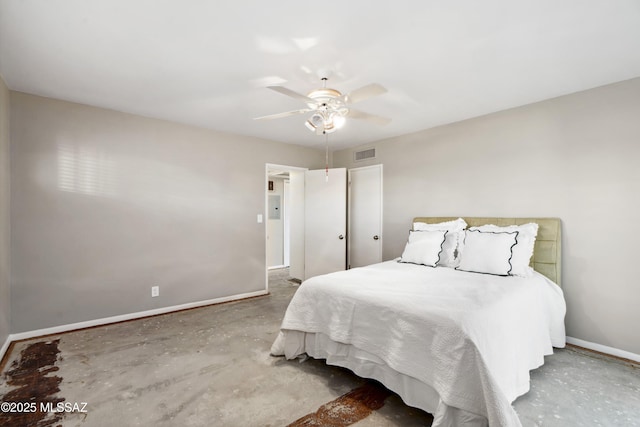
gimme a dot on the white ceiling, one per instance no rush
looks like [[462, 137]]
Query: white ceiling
[[206, 63]]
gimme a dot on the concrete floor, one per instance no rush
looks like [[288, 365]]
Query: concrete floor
[[211, 367]]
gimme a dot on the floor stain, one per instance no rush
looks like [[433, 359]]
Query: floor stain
[[348, 408], [33, 390]]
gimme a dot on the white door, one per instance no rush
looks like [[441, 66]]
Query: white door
[[365, 216], [325, 221]]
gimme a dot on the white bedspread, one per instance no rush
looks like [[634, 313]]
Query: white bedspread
[[471, 337]]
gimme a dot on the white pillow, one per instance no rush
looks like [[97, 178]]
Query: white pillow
[[424, 247], [487, 252], [523, 251], [455, 229]]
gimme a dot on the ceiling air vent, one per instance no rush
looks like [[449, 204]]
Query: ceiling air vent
[[370, 153]]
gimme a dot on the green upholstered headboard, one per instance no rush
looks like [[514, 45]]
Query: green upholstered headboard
[[547, 253]]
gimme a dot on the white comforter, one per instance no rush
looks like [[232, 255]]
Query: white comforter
[[471, 337]]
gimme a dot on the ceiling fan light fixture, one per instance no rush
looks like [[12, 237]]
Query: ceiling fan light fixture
[[317, 119], [339, 121], [315, 123], [310, 126], [329, 127]]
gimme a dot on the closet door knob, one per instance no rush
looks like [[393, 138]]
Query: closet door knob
[[375, 237], [341, 237]]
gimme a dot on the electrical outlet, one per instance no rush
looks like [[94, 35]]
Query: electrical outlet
[[155, 291]]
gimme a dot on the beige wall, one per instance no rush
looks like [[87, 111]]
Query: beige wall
[[107, 204], [574, 157], [5, 309]]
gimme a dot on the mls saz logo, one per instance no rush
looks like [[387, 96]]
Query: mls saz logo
[[63, 407]]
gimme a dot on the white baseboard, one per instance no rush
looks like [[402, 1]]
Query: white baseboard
[[124, 317], [604, 349]]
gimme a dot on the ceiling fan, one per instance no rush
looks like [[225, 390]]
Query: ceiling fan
[[330, 107]]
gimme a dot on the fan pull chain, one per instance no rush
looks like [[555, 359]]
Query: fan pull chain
[[326, 156]]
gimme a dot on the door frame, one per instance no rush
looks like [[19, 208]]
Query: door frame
[[286, 218], [268, 167]]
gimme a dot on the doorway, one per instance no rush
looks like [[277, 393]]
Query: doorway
[[284, 228]]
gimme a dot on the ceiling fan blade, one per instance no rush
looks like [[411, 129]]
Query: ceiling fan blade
[[285, 114], [357, 114], [365, 92], [283, 90]]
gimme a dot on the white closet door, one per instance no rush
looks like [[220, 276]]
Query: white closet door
[[325, 221], [365, 216]]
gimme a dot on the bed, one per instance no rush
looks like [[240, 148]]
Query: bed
[[457, 344]]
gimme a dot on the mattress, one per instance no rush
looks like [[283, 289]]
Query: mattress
[[459, 345]]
